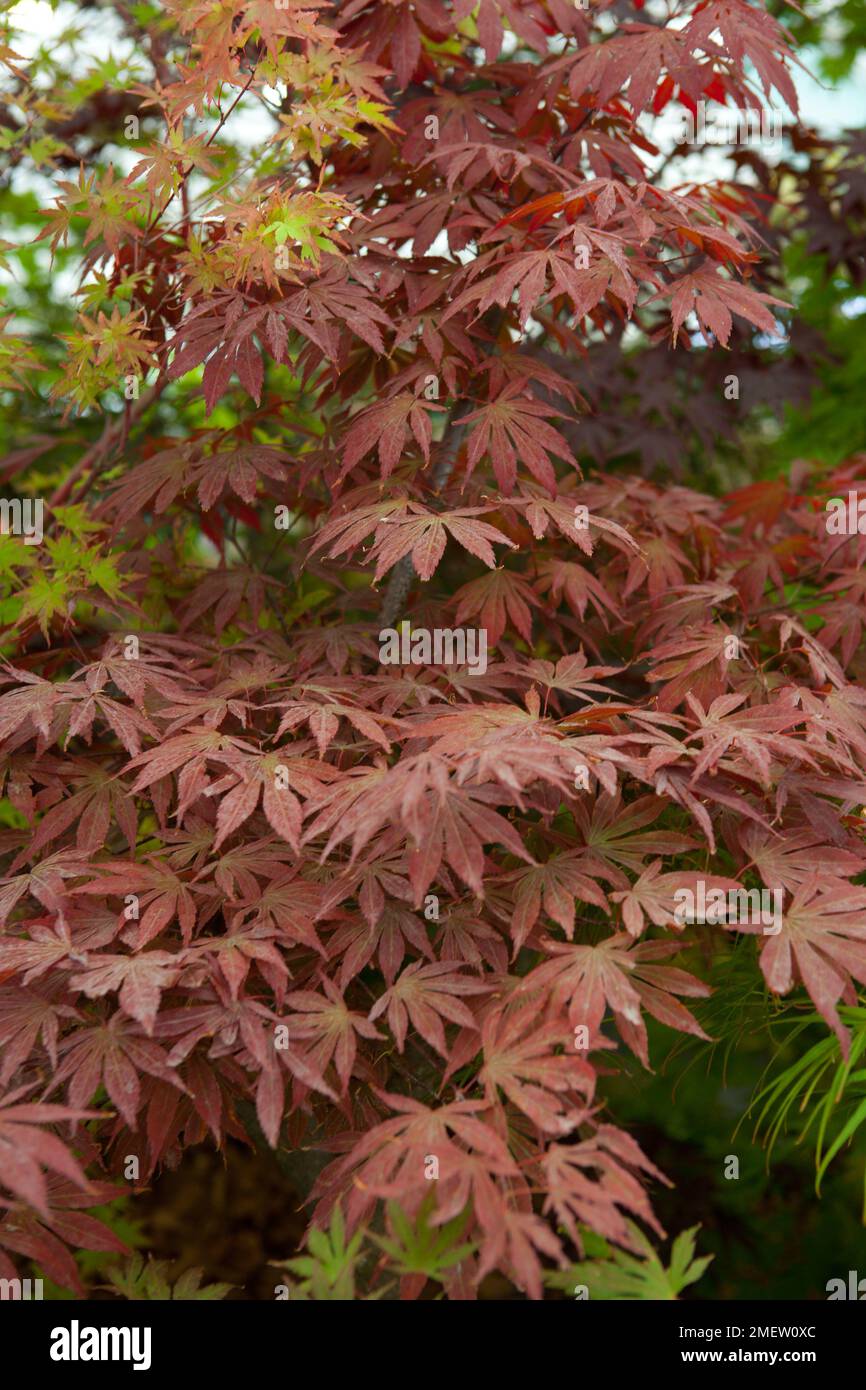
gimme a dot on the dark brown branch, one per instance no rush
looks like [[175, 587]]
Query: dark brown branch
[[402, 575]]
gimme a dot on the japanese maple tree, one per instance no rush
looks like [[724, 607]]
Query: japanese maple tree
[[342, 274]]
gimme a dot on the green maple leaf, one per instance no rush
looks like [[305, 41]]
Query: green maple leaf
[[76, 520], [300, 229], [151, 1282], [45, 597], [14, 554], [66, 554], [101, 571], [644, 1277], [422, 1248], [327, 1272]]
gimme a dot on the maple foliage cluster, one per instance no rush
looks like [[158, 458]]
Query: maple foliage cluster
[[233, 823]]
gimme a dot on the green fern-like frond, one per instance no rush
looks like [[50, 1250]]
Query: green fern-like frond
[[826, 1091]]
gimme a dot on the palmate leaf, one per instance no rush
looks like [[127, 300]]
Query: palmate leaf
[[402, 529], [464, 935], [620, 975], [544, 513], [99, 800], [523, 1065], [496, 600], [46, 1237], [324, 720], [424, 537], [26, 1149], [388, 1161], [615, 833], [26, 1017], [692, 663], [155, 483], [44, 882], [47, 944], [516, 1238], [420, 1250], [789, 862], [163, 896], [571, 675], [624, 1276], [652, 899], [139, 1280], [395, 932], [328, 1270], [425, 995], [139, 980], [445, 821], [713, 298], [386, 426], [757, 735], [116, 1056], [822, 942], [515, 426], [326, 1019], [595, 1181], [558, 886], [578, 586]]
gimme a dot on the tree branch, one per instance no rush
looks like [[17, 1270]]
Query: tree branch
[[403, 574]]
